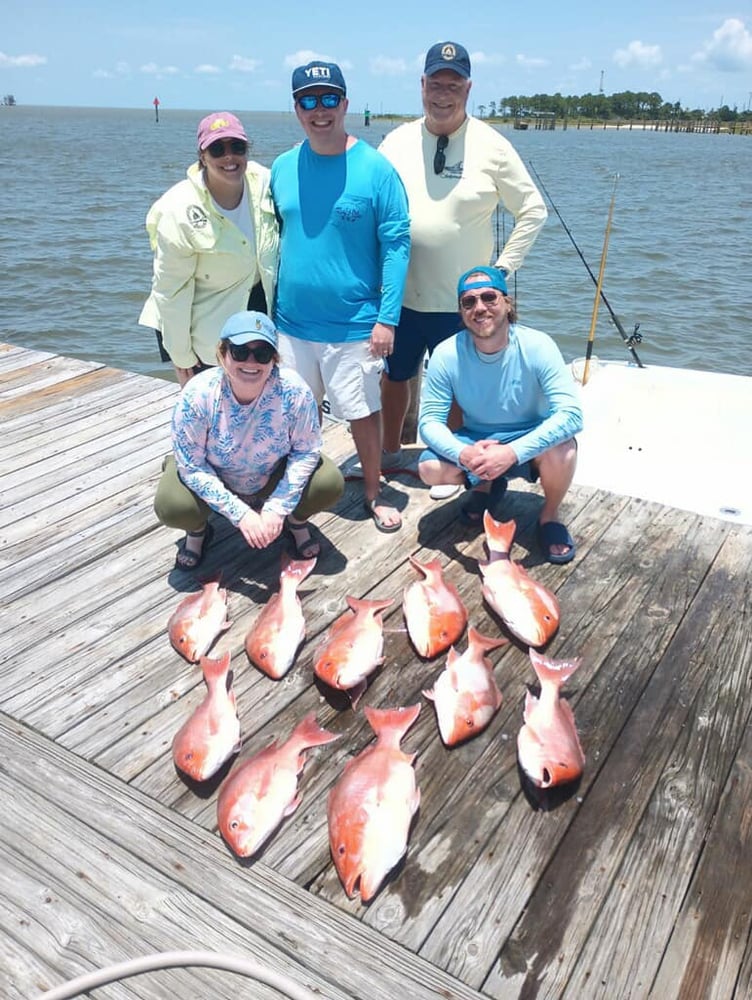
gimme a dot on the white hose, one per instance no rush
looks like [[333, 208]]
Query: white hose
[[180, 959]]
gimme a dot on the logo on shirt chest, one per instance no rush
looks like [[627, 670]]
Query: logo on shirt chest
[[197, 217], [453, 170]]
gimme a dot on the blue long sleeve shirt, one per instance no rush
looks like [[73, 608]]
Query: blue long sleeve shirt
[[523, 396], [345, 243]]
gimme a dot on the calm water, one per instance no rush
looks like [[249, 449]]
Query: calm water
[[75, 264]]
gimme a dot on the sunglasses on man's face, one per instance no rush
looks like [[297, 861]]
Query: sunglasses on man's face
[[234, 147], [468, 302], [262, 354], [310, 101]]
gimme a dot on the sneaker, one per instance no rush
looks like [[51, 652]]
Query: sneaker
[[444, 491]]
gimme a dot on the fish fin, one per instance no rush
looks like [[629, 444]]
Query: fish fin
[[391, 724], [356, 693], [484, 642], [296, 569], [362, 604], [530, 703], [214, 668], [428, 694], [553, 671], [499, 534], [292, 806], [309, 733]]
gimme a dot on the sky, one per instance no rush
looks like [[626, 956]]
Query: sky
[[239, 56]]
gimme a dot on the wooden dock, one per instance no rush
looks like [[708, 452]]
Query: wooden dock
[[634, 884]]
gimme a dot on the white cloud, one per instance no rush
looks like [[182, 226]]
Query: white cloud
[[21, 62], [303, 56], [484, 59], [638, 54], [530, 62], [243, 65], [207, 68], [121, 69], [730, 48], [151, 69], [384, 66]]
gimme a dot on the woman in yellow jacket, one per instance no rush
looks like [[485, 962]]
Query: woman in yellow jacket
[[215, 241]]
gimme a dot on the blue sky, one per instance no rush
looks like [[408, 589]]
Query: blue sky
[[199, 55]]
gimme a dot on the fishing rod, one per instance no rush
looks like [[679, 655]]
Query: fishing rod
[[636, 336], [599, 286]]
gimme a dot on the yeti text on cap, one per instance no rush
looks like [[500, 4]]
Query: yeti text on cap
[[318, 72]]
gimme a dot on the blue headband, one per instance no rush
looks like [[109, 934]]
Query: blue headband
[[494, 279]]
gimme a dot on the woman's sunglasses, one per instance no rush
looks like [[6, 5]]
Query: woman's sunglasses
[[470, 301], [310, 101], [219, 148], [262, 354]]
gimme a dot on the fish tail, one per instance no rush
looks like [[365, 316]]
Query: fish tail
[[484, 642], [310, 734], [431, 568], [362, 604], [215, 668], [499, 534], [391, 724], [296, 569], [553, 671]]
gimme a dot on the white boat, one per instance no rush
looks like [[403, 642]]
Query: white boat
[[673, 435]]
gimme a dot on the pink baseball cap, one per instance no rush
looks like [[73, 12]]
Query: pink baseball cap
[[219, 125]]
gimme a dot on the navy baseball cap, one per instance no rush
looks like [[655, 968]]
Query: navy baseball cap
[[317, 74], [243, 327], [447, 55], [493, 279]]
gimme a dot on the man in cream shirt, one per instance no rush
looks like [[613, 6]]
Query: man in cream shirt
[[456, 170]]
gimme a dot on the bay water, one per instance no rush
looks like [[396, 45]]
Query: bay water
[[75, 263]]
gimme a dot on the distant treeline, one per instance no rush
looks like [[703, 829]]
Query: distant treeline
[[625, 106]]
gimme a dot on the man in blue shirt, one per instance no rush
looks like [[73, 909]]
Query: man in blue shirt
[[345, 242], [519, 406]]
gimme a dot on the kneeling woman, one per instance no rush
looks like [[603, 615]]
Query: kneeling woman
[[246, 443]]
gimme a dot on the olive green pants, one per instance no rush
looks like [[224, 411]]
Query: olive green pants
[[177, 507]]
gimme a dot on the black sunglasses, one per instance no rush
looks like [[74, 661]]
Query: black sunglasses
[[219, 148], [262, 354], [470, 301], [310, 101], [439, 157]]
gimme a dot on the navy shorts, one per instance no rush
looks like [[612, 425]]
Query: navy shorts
[[416, 333], [520, 470]]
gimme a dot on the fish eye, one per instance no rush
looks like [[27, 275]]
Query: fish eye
[[234, 824], [341, 850]]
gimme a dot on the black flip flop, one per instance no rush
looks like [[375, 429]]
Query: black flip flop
[[554, 533]]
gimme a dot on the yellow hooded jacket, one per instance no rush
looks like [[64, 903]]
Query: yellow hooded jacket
[[203, 271]]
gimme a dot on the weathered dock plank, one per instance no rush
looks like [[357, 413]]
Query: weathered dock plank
[[138, 881], [608, 889]]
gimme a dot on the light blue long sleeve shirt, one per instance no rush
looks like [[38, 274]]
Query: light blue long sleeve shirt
[[345, 243], [523, 395]]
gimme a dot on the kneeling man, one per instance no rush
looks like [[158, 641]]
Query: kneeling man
[[519, 404]]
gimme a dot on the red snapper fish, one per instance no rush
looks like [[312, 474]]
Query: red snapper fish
[[352, 647], [528, 609], [548, 747], [434, 613], [279, 630], [466, 696], [211, 735], [371, 806], [257, 795], [198, 620]]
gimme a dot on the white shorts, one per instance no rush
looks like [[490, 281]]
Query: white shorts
[[346, 373]]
